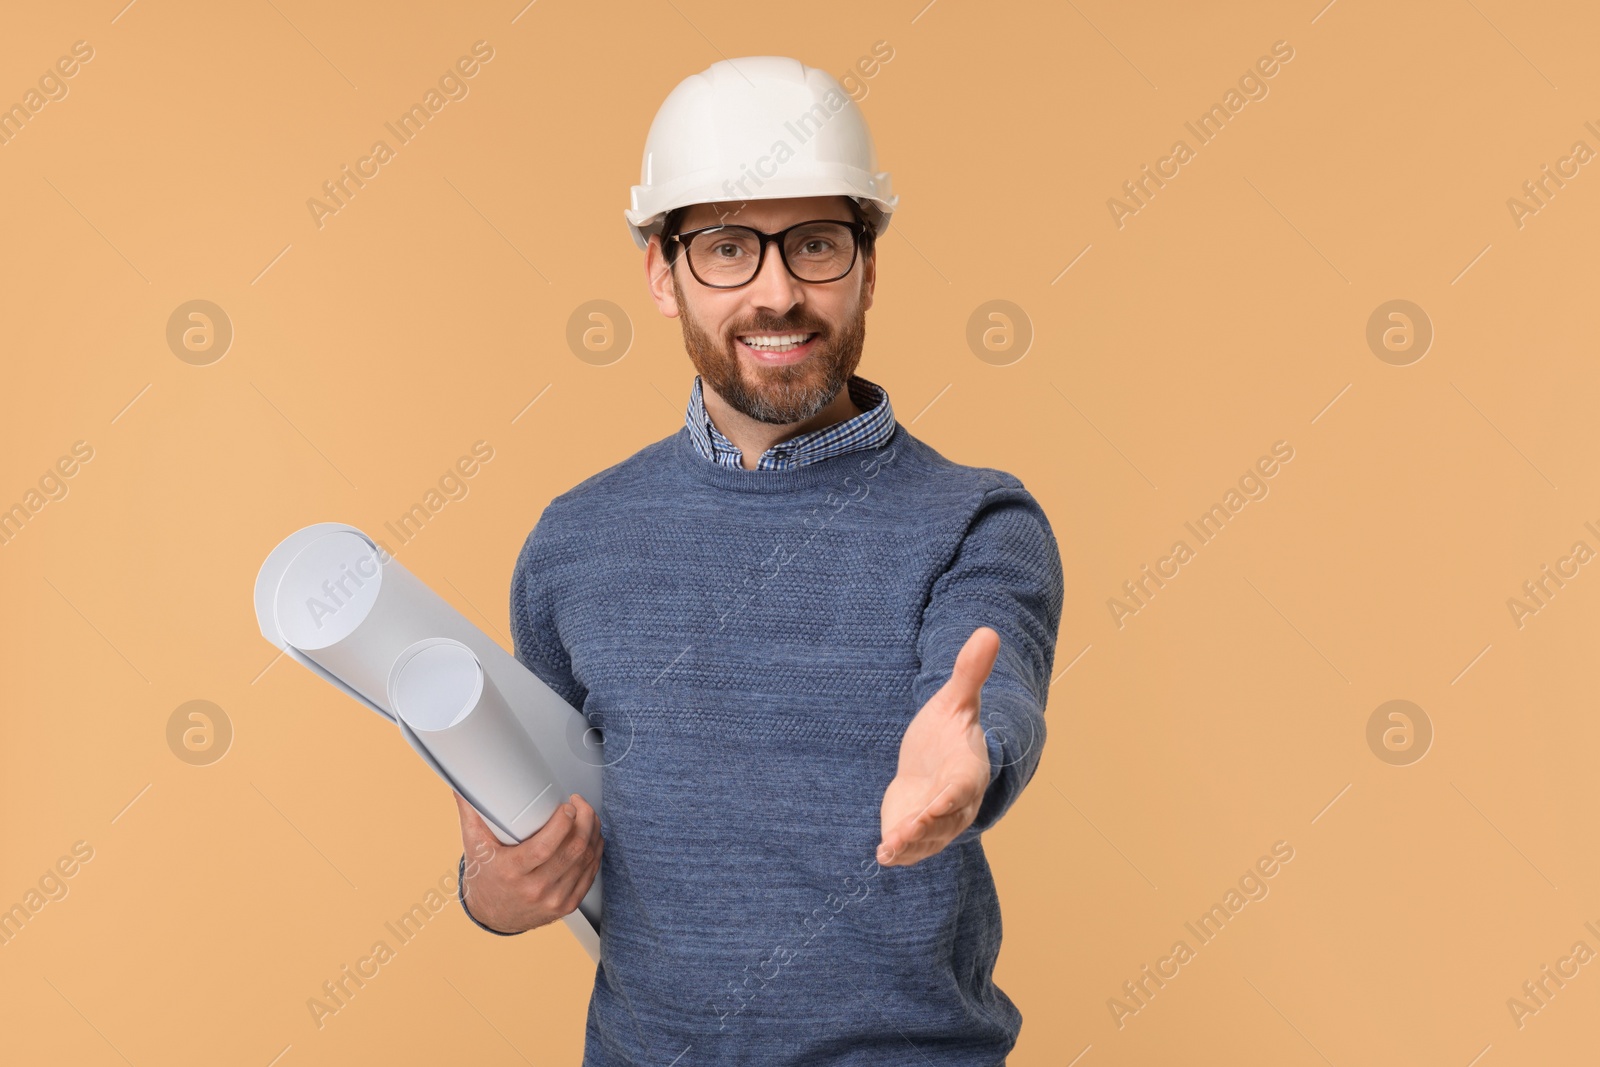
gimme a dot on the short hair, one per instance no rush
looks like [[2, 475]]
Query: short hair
[[674, 221]]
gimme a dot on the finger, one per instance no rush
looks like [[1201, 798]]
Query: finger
[[575, 854], [474, 831], [541, 846], [909, 834], [918, 851], [577, 844], [923, 838], [577, 801], [902, 836], [948, 813], [478, 843], [905, 851], [896, 836], [946, 827], [972, 667], [903, 856], [574, 884], [948, 799]]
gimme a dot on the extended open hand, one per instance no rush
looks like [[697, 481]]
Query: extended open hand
[[944, 763]]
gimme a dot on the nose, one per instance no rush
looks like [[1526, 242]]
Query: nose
[[773, 287]]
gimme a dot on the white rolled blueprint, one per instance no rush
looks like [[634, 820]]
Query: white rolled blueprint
[[439, 690], [348, 611]]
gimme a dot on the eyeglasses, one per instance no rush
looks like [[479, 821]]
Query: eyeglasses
[[726, 257]]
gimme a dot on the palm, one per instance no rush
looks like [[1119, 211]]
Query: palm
[[943, 769]]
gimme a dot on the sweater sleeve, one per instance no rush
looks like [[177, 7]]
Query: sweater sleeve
[[461, 895], [537, 645], [1005, 574]]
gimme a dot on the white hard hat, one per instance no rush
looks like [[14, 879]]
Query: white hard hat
[[757, 128]]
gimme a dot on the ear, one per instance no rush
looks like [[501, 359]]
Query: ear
[[658, 278], [869, 278]]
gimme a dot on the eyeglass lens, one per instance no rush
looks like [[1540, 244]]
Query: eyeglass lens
[[817, 252]]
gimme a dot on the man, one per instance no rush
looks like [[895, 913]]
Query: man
[[818, 650]]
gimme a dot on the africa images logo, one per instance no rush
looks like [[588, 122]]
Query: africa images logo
[[452, 85]]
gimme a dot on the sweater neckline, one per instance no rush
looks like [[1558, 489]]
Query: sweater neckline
[[819, 472]]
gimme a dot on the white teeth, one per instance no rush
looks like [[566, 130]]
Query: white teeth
[[788, 340]]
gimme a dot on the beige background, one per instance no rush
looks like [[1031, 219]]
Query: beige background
[[1228, 314]]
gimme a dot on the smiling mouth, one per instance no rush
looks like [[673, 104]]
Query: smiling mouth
[[777, 343]]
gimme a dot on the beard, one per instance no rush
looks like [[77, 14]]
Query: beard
[[782, 394]]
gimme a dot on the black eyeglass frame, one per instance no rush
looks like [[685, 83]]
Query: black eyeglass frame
[[857, 232]]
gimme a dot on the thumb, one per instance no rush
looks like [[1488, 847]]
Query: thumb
[[472, 824], [972, 667]]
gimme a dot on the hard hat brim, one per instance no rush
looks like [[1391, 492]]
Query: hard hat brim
[[872, 193]]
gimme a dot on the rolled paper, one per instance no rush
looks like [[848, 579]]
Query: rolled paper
[[267, 582], [344, 608], [331, 599], [450, 706], [440, 691]]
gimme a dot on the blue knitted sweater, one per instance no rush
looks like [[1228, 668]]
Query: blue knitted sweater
[[752, 646]]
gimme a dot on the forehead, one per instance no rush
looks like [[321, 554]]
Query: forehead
[[768, 215]]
